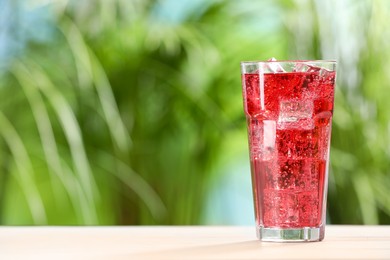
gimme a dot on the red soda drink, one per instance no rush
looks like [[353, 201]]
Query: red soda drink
[[289, 117]]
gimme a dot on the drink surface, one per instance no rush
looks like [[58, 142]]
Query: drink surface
[[289, 123]]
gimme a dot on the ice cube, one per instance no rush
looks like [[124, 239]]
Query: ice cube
[[300, 67], [281, 208], [297, 145], [312, 68], [304, 67], [262, 138], [323, 118], [308, 210], [324, 74], [275, 66], [295, 114]]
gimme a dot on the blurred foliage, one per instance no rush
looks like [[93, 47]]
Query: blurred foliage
[[126, 110]]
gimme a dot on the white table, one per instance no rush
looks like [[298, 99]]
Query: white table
[[186, 242]]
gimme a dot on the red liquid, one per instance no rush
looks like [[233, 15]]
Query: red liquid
[[289, 122]]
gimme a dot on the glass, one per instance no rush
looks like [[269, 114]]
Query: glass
[[289, 108]]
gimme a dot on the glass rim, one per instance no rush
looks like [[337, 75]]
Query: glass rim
[[288, 61]]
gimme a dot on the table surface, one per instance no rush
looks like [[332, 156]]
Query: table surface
[[186, 242]]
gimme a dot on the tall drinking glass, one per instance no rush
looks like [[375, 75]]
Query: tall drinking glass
[[289, 107]]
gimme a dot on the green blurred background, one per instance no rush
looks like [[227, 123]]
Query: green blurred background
[[130, 111]]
